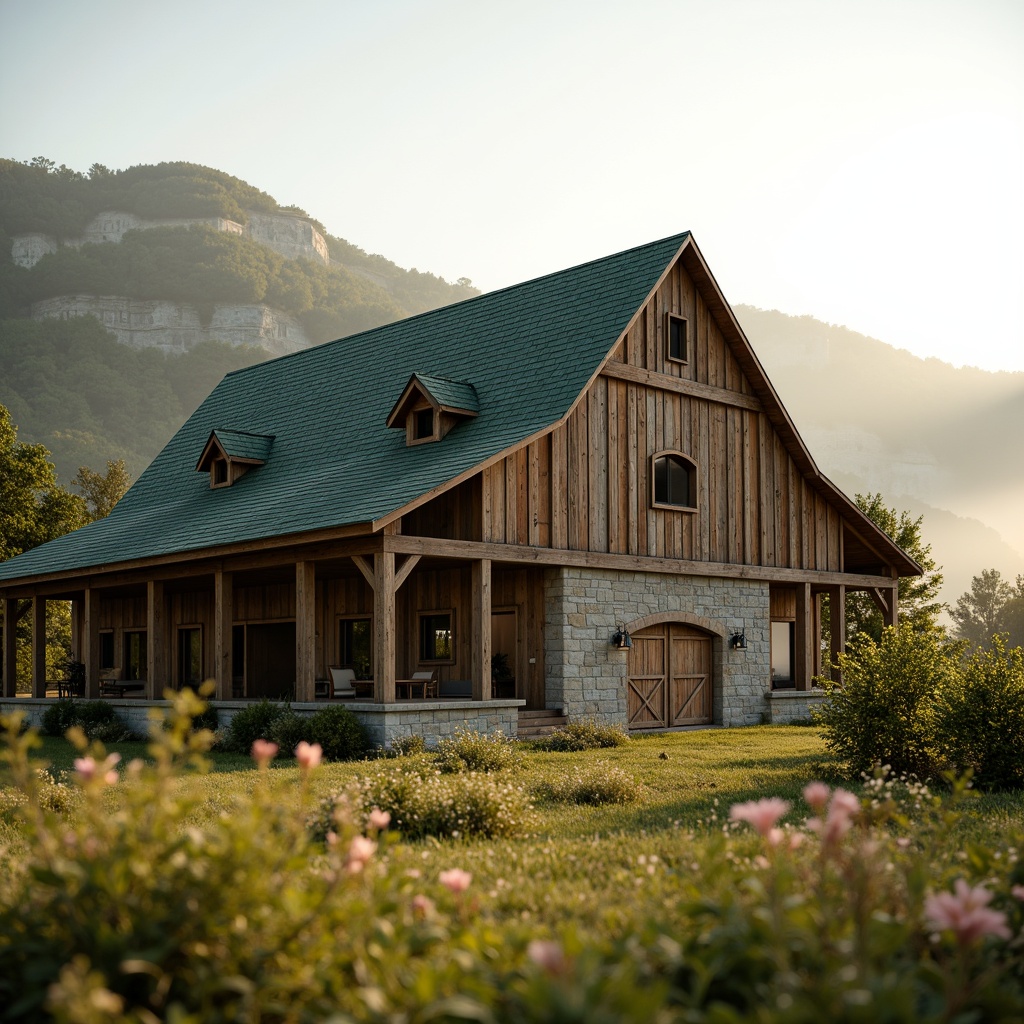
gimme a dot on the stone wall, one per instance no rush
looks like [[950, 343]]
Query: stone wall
[[287, 234], [788, 706], [176, 327], [586, 676]]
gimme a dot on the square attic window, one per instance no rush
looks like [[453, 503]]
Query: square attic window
[[678, 347]]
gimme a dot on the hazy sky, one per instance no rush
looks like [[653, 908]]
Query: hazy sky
[[859, 161]]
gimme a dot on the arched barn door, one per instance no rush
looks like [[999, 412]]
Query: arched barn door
[[669, 677]]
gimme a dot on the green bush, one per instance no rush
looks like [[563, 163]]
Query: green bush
[[471, 751], [882, 713], [254, 722], [339, 732], [597, 783], [407, 746], [979, 717], [585, 735], [96, 718], [289, 730], [59, 717], [423, 803]]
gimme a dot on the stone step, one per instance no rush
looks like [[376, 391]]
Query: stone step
[[536, 724]]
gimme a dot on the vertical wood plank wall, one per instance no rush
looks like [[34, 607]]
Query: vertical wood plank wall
[[587, 485]]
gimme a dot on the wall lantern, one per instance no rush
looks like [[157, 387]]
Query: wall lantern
[[620, 638], [738, 641]]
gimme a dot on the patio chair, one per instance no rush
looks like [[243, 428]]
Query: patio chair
[[342, 681], [429, 680]]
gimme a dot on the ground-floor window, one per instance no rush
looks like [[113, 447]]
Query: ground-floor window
[[135, 654], [106, 649], [436, 636], [782, 654], [355, 646], [190, 656]]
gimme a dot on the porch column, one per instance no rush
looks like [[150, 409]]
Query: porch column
[[803, 655], [156, 641], [10, 647], [892, 616], [305, 631], [224, 620], [91, 643], [481, 629], [837, 628], [384, 627], [38, 646]]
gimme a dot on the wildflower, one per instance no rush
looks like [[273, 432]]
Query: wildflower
[[1018, 892], [547, 955], [379, 819], [965, 912], [816, 794], [263, 752], [360, 850], [308, 755], [455, 879], [88, 768], [763, 815], [422, 905]]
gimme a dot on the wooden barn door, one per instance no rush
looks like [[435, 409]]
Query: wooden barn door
[[669, 680]]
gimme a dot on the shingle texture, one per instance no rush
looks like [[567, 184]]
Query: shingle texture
[[528, 350], [238, 444], [454, 394]]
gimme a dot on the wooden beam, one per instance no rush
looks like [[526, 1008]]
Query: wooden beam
[[837, 628], [305, 631], [680, 386], [223, 623], [39, 647], [365, 568], [804, 639], [156, 641], [410, 563], [480, 640], [91, 643], [10, 647], [384, 628]]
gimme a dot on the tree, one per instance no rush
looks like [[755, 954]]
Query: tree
[[102, 491], [918, 605], [991, 606]]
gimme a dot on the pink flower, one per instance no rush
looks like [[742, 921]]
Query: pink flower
[[379, 819], [965, 912], [88, 769], [360, 850], [422, 905], [762, 814], [816, 794], [455, 879], [308, 755], [844, 803], [1018, 892], [263, 752], [547, 955]]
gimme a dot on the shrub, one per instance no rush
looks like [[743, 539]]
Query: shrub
[[254, 722], [407, 746], [881, 714], [96, 718], [339, 732], [289, 730], [585, 735], [598, 783], [979, 717], [423, 803], [60, 717], [471, 751]]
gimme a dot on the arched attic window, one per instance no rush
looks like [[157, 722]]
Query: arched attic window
[[674, 478]]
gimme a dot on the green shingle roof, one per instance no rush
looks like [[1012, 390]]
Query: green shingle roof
[[529, 350], [238, 444], [454, 394]]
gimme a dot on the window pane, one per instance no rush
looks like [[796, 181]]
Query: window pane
[[435, 637], [106, 650], [135, 658], [677, 339], [190, 657], [678, 483], [673, 481], [782, 652], [661, 481], [355, 647]]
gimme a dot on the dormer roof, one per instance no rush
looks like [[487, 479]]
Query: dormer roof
[[455, 397], [235, 446]]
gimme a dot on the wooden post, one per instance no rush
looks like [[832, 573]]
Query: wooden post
[[837, 626], [10, 647], [76, 629], [91, 643], [224, 620], [384, 627], [892, 617], [305, 631], [38, 646], [481, 629], [803, 654], [156, 641]]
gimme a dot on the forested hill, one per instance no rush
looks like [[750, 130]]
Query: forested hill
[[195, 271]]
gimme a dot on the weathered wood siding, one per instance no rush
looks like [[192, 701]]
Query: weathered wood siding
[[587, 485]]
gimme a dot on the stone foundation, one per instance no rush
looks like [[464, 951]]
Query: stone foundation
[[586, 676], [789, 706]]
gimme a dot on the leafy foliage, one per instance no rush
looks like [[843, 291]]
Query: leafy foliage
[[471, 751], [585, 735], [991, 606], [102, 491], [979, 717], [255, 721], [881, 714], [339, 733], [597, 783], [96, 718]]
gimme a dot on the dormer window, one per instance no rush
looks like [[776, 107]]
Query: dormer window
[[429, 407], [229, 454]]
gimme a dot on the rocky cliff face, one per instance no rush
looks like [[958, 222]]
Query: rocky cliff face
[[176, 327], [289, 235]]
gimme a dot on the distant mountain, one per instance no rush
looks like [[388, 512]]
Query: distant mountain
[[933, 439], [194, 271]]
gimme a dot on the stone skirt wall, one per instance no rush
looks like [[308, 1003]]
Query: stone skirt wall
[[789, 706], [586, 676]]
